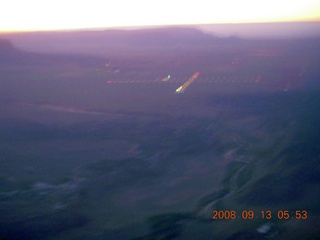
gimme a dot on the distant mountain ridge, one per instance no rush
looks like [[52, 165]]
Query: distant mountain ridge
[[12, 56], [120, 42], [132, 43], [116, 42]]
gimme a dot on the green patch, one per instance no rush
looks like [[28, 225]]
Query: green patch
[[204, 201], [231, 169], [245, 175]]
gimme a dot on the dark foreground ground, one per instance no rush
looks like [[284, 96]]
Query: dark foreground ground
[[96, 148]]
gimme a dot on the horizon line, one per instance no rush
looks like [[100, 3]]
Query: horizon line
[[136, 27]]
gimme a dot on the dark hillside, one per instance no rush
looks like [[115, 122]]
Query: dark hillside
[[14, 58]]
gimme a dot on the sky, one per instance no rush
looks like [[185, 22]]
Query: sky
[[35, 15]]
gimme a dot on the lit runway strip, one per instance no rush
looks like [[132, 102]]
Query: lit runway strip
[[200, 79], [182, 88]]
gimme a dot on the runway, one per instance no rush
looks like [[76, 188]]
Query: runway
[[220, 79]]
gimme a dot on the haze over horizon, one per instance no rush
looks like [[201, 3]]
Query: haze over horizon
[[34, 15]]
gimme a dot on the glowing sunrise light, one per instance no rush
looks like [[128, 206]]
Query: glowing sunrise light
[[30, 15]]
